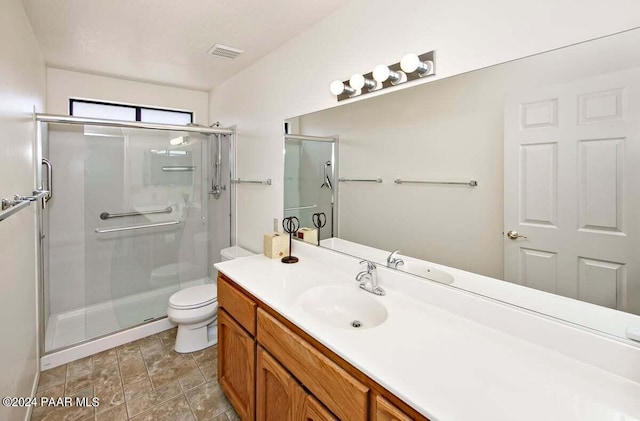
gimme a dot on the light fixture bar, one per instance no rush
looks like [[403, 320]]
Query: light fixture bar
[[394, 70]]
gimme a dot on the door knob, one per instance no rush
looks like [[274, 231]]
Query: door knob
[[513, 235]]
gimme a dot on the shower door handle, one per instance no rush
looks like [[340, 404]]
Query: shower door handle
[[49, 186]]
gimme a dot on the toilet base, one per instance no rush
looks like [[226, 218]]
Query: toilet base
[[191, 338]]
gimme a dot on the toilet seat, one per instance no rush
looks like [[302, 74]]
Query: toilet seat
[[194, 297]]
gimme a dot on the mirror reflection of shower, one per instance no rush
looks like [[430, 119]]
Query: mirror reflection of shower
[[309, 188]]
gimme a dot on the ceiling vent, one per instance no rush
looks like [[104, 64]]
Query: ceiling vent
[[223, 51]]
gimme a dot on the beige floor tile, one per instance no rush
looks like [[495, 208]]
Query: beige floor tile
[[62, 413], [168, 335], [170, 374], [206, 355], [52, 392], [137, 389], [79, 383], [207, 401], [221, 417], [110, 396], [153, 398], [105, 359], [176, 409], [192, 380], [52, 377], [133, 370], [79, 368], [149, 342], [118, 413], [128, 351], [107, 377], [171, 359], [210, 371]]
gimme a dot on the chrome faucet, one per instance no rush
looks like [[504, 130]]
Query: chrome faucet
[[393, 261], [369, 279]]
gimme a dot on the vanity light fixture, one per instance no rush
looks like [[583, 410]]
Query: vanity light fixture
[[382, 73], [411, 63], [410, 68], [338, 87]]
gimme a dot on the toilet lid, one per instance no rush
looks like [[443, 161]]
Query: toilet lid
[[194, 297]]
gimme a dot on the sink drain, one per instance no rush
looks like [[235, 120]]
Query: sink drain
[[356, 323]]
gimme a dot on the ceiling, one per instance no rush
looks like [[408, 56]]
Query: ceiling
[[166, 41]]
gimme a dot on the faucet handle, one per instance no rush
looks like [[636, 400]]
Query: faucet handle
[[391, 258], [370, 265]]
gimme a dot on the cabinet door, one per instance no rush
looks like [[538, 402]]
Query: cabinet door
[[236, 365], [279, 396], [314, 411], [386, 411]]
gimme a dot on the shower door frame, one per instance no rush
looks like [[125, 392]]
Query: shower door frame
[[41, 121]]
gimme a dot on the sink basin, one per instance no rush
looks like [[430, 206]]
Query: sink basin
[[343, 307], [426, 271]]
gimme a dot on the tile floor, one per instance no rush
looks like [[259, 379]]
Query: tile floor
[[144, 380]]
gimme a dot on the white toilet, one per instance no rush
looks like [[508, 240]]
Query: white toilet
[[195, 310]]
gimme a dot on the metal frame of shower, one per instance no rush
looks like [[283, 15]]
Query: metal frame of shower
[[335, 228], [38, 119]]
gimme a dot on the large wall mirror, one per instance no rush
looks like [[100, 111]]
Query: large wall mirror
[[553, 142]]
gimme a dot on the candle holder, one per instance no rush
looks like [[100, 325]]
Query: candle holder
[[290, 225]]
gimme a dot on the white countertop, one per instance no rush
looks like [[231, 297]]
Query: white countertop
[[446, 366]]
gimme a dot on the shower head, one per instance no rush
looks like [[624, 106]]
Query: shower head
[[327, 180]]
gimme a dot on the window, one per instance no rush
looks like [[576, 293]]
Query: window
[[111, 111]]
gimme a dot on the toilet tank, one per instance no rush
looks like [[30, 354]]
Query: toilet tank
[[234, 252]]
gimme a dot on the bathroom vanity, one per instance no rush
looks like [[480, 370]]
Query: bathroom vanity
[[289, 350]]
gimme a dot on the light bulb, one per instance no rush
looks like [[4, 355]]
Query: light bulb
[[178, 141], [411, 63], [358, 82], [381, 73], [337, 87]]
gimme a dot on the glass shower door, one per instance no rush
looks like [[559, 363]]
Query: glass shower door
[[145, 223], [127, 227]]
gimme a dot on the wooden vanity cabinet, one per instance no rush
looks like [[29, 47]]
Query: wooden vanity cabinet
[[236, 365], [279, 397], [272, 371], [386, 411]]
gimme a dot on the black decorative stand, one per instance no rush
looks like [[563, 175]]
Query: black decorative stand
[[319, 221], [290, 225]]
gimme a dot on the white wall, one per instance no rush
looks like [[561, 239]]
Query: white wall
[[294, 79], [22, 87], [65, 84]]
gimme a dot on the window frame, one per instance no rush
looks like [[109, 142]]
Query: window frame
[[138, 108]]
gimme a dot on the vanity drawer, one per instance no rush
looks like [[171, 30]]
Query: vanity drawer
[[238, 305], [334, 387]]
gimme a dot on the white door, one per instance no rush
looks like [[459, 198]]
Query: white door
[[572, 187]]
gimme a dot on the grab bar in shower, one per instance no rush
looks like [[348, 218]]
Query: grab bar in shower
[[106, 215], [472, 183], [178, 168], [239, 181], [135, 227], [301, 208], [362, 180]]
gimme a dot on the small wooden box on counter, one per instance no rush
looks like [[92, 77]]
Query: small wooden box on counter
[[310, 235], [276, 245]]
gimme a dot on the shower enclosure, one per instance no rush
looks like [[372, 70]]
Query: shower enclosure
[[137, 212]]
